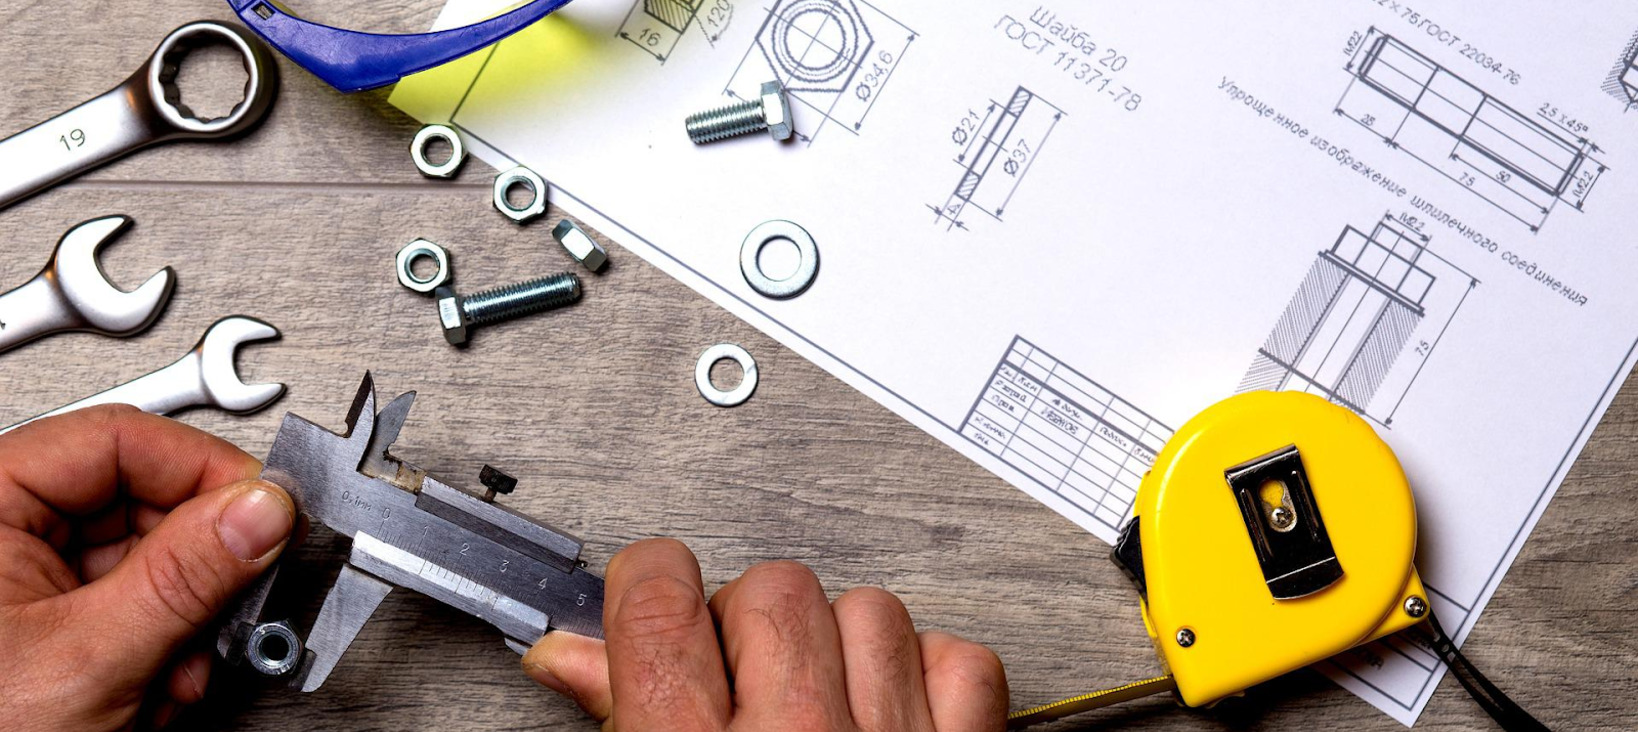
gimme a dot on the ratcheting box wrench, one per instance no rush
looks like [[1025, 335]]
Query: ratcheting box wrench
[[205, 377], [72, 293], [146, 109]]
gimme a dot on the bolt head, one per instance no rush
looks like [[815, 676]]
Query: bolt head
[[580, 245], [454, 322], [777, 111]]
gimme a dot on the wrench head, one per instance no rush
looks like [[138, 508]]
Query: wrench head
[[165, 98], [218, 372], [90, 297]]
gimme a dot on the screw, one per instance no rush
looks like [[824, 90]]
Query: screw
[[1415, 606], [1185, 637], [1282, 518], [771, 112], [460, 314], [495, 481]]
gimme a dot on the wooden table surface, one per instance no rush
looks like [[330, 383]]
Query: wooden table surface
[[594, 409]]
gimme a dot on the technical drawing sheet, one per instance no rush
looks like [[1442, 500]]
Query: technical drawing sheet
[[1052, 232]]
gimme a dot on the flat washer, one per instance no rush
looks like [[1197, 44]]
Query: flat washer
[[418, 151], [702, 375], [806, 271]]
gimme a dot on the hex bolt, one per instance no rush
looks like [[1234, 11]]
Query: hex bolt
[[461, 314], [771, 112]]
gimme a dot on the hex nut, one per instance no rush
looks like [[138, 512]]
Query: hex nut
[[418, 151], [580, 245], [451, 318], [415, 250], [776, 109], [268, 661], [536, 185]]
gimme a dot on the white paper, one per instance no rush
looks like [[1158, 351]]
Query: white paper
[[1164, 202]]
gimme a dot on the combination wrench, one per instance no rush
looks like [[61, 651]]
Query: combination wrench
[[72, 293], [205, 377], [146, 109]]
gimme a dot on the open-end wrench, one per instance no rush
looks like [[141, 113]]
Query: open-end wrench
[[205, 377], [146, 109], [72, 293]]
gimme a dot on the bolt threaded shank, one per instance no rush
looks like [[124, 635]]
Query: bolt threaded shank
[[722, 123], [523, 298]]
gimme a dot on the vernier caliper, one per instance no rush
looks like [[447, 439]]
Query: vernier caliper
[[408, 530]]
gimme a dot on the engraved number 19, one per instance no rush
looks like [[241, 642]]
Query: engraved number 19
[[75, 138]]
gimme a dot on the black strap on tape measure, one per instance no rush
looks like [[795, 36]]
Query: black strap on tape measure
[[1504, 710]]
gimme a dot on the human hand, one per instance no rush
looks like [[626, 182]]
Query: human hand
[[786, 658], [122, 534]]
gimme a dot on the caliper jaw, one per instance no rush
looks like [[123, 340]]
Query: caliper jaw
[[410, 530]]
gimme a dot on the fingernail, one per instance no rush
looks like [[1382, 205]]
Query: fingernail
[[545, 678], [164, 714], [255, 523]]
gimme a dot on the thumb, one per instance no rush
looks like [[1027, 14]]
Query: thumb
[[574, 666], [178, 577]]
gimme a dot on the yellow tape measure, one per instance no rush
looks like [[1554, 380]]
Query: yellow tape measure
[[1274, 531]]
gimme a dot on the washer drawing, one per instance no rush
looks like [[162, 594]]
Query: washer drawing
[[993, 166]]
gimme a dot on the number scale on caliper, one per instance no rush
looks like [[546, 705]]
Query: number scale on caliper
[[408, 530]]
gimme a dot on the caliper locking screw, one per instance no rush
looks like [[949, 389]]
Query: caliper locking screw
[[461, 314], [495, 481], [770, 111]]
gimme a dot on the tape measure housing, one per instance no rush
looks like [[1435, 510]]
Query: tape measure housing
[[1275, 530]]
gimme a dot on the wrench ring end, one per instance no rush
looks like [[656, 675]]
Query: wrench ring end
[[261, 79]]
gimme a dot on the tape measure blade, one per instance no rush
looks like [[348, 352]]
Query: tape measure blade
[[1088, 702]]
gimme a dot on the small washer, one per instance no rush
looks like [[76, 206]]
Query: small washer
[[806, 271], [536, 185], [702, 375], [418, 151], [415, 250]]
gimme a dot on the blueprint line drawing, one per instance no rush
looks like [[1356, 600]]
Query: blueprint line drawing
[[1066, 432], [656, 26], [826, 65], [1142, 237], [1515, 163], [1622, 82], [1015, 131], [834, 58], [1354, 315]]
